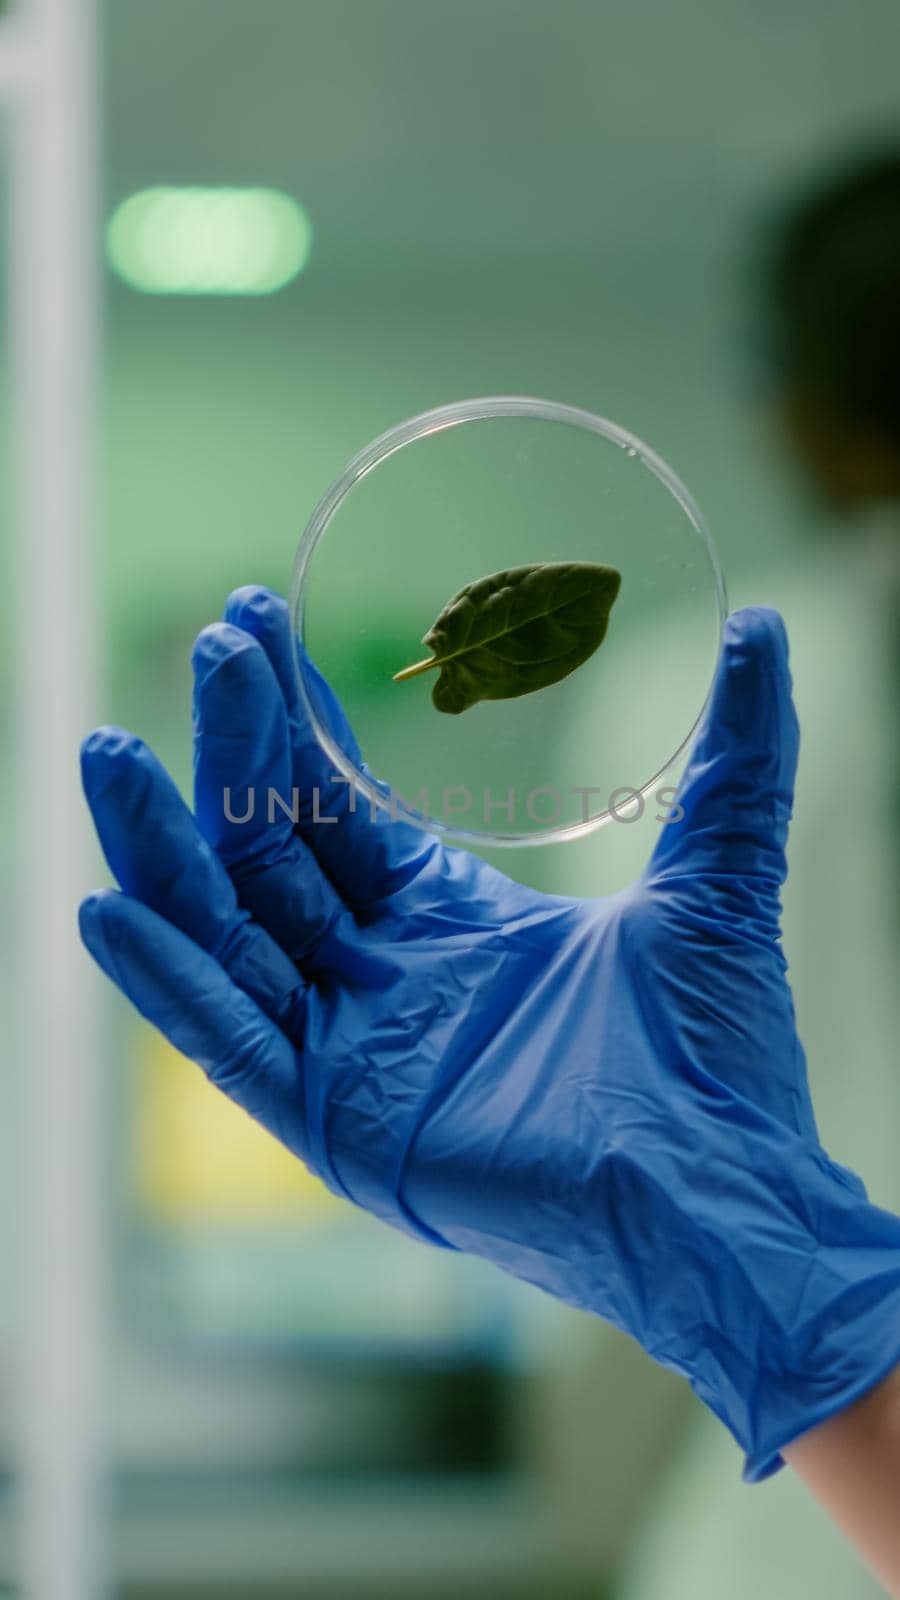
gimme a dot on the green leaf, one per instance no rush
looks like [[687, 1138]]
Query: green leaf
[[515, 632]]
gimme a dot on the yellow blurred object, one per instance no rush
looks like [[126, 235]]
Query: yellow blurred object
[[200, 1159]]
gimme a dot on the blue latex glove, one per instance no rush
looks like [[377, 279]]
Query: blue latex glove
[[605, 1097]]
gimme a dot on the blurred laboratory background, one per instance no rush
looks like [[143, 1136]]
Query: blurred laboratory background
[[239, 241]]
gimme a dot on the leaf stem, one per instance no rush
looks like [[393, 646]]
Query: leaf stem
[[415, 669]]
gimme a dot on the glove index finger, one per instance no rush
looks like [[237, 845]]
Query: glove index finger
[[242, 752], [737, 792], [367, 857], [264, 615], [247, 799]]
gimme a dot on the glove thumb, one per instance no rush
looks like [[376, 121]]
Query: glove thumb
[[737, 792]]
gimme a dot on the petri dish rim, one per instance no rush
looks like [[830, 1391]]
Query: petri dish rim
[[484, 408]]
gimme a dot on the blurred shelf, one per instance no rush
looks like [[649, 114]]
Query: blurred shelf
[[467, 1538]]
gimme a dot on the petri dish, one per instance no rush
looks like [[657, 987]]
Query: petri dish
[[485, 486]]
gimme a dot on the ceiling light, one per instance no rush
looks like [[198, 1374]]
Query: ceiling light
[[208, 241]]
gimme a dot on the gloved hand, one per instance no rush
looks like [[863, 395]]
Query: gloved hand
[[605, 1097]]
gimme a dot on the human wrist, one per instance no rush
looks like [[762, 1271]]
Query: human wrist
[[838, 1332], [873, 1418], [851, 1464]]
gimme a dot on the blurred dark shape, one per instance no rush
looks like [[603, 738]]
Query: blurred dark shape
[[833, 287]]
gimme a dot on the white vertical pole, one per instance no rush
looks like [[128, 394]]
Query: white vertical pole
[[54, 327]]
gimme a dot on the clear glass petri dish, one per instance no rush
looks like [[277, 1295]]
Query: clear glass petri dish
[[483, 486]]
